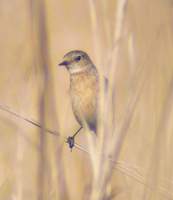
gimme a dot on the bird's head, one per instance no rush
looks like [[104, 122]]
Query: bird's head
[[76, 61]]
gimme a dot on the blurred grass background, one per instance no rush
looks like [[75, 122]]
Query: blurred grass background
[[144, 169]]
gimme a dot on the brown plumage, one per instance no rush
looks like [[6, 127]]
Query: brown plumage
[[83, 92], [83, 87]]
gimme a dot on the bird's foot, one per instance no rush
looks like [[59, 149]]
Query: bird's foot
[[71, 142]]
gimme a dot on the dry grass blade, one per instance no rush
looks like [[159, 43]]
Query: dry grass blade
[[43, 61], [31, 121]]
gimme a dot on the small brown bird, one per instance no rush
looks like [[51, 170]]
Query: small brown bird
[[84, 87]]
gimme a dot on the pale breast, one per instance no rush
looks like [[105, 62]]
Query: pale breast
[[84, 92]]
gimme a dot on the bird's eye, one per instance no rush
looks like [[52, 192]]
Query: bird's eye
[[78, 58]]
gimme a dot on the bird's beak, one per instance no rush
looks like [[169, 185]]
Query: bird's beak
[[64, 63]]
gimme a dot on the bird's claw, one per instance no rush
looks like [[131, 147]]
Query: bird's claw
[[71, 142]]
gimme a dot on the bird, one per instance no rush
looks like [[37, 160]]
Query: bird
[[84, 90]]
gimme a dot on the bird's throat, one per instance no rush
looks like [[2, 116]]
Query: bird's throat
[[79, 69]]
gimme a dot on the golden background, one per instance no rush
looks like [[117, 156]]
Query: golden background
[[36, 167]]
